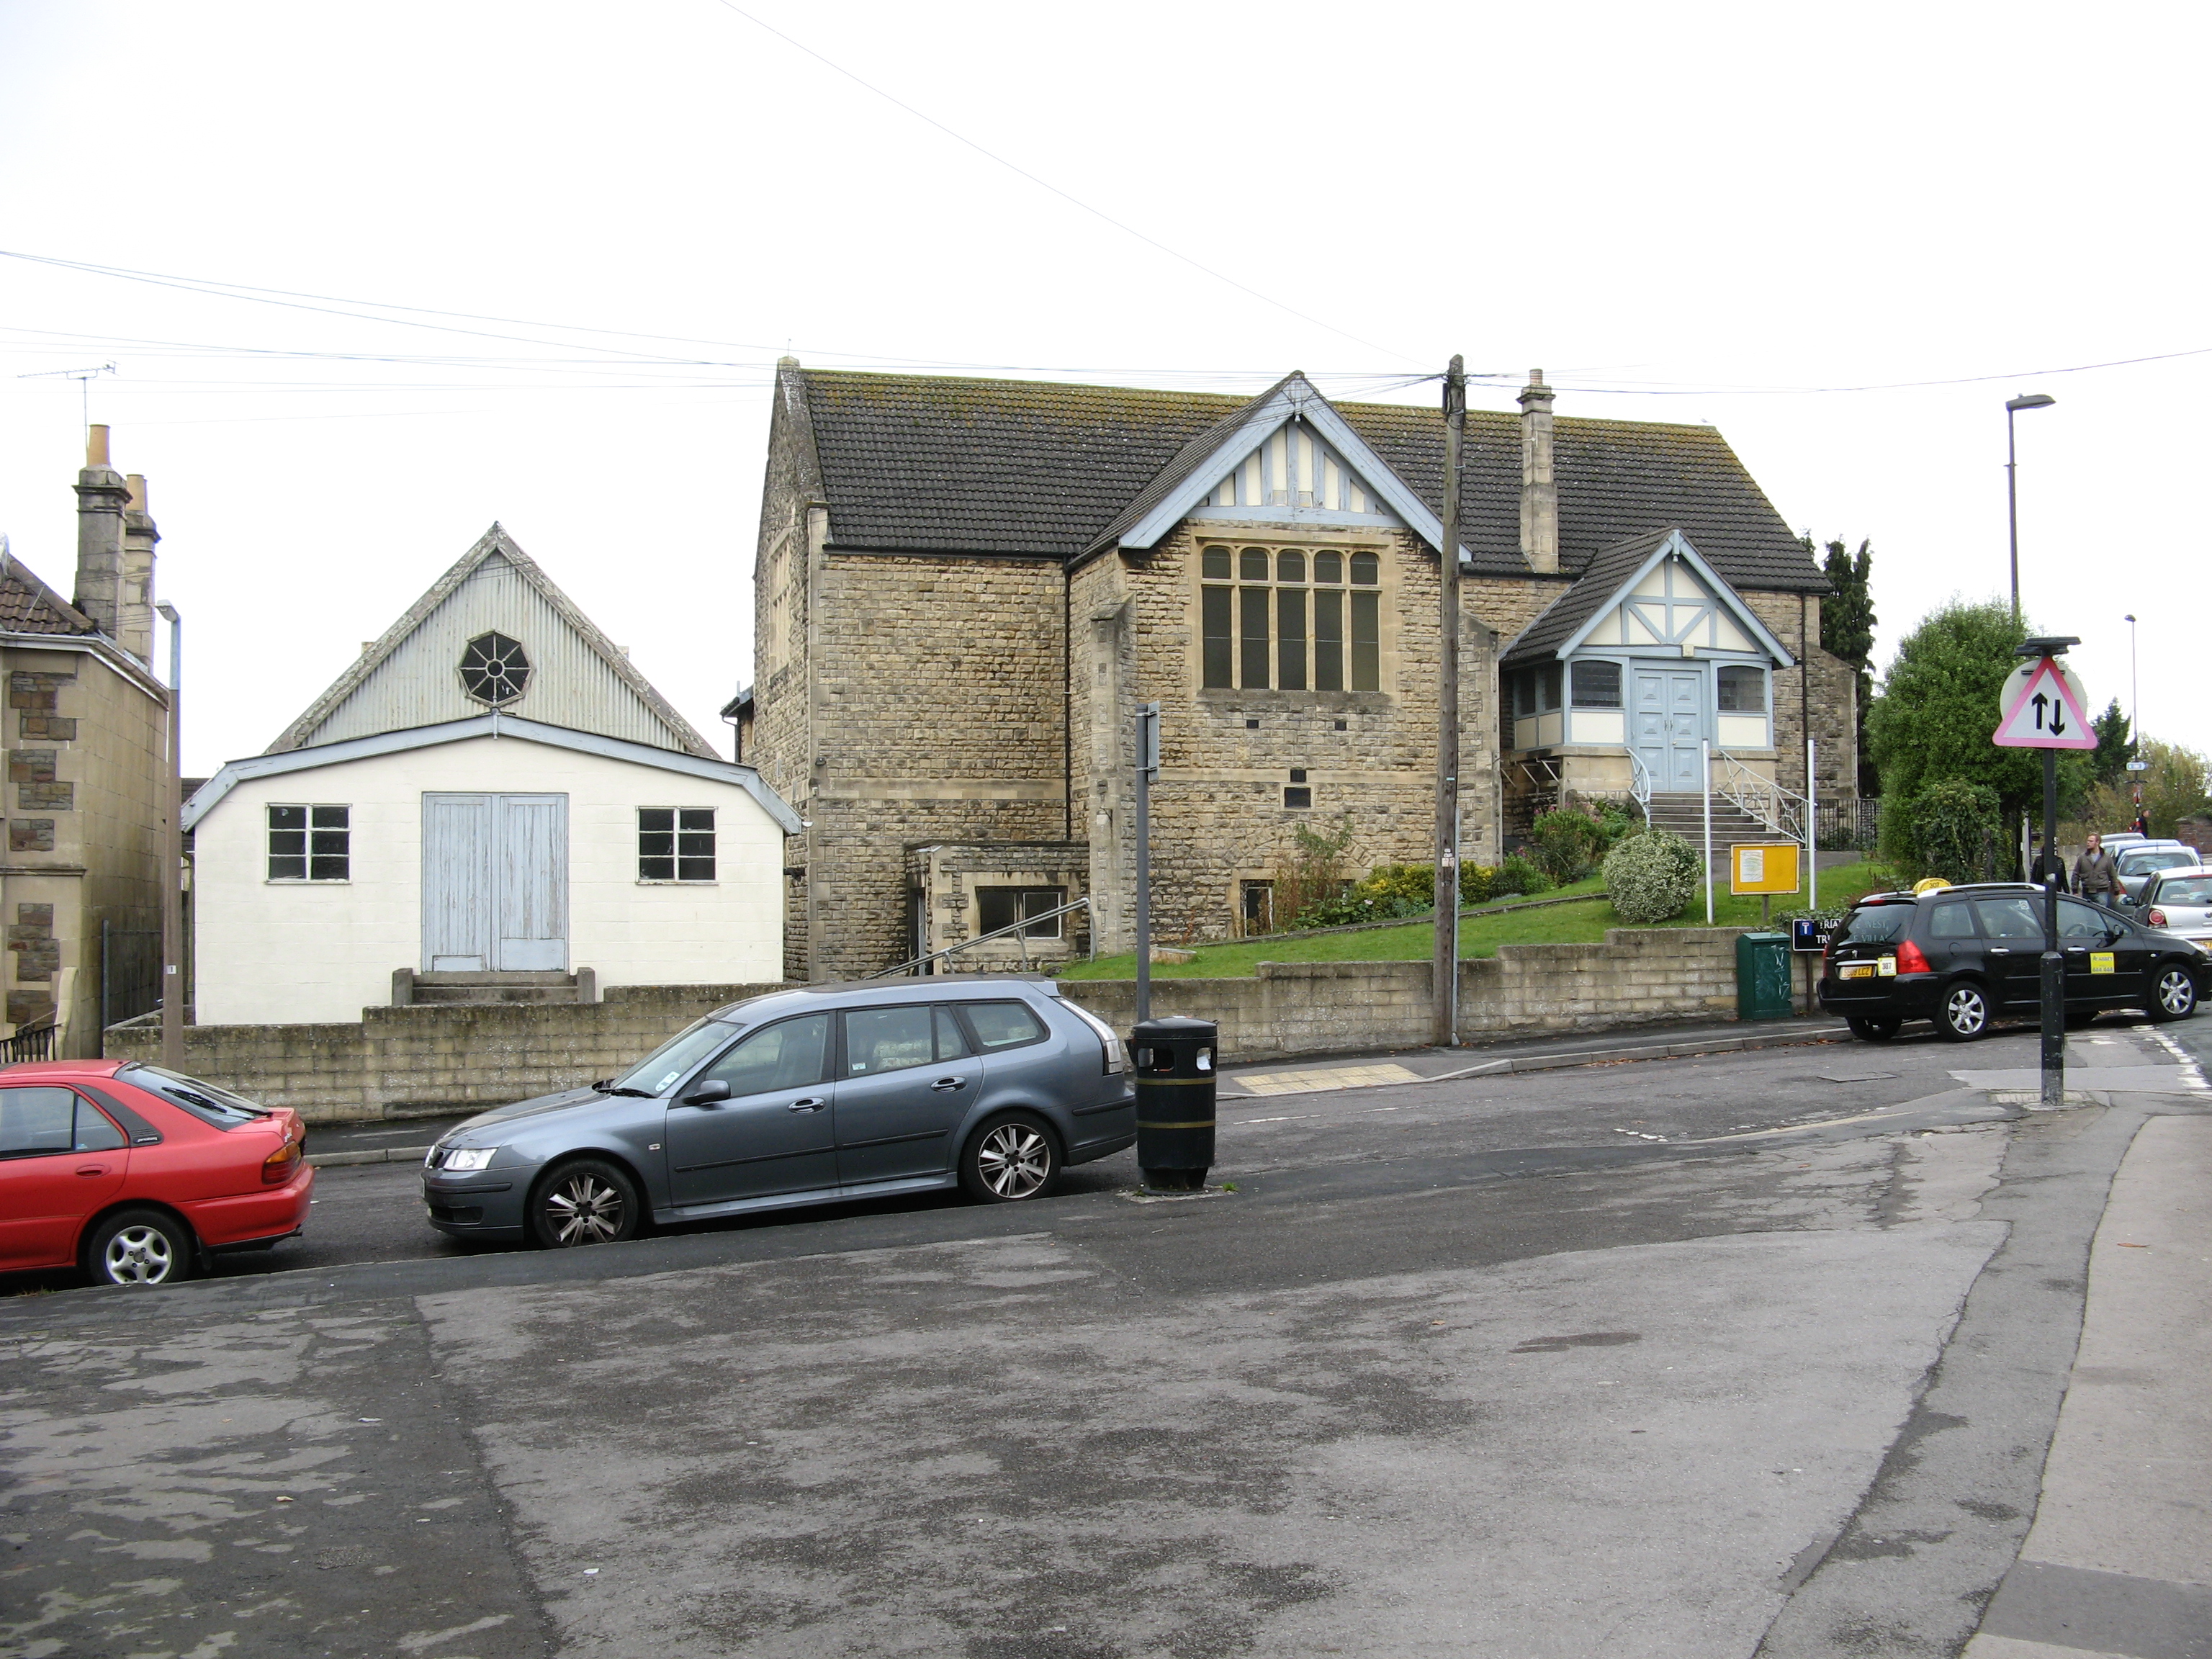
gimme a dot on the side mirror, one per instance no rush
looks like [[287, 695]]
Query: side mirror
[[708, 1093]]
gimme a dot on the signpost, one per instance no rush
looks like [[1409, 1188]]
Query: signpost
[[2043, 706]]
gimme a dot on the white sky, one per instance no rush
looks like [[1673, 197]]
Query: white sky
[[1700, 198]]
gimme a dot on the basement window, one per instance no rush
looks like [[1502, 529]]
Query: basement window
[[1298, 797], [311, 843], [676, 843]]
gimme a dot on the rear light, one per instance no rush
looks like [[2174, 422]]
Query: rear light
[[279, 1166], [1910, 959], [1115, 1058], [2157, 918]]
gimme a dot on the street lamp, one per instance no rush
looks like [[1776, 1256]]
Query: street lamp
[[173, 858], [2013, 406]]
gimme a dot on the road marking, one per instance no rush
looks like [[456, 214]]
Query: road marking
[[2188, 1061]]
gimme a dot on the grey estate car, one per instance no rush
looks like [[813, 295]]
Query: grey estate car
[[989, 1082]]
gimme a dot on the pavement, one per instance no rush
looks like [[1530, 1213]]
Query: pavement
[[1795, 1350]]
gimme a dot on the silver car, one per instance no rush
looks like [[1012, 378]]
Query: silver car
[[2180, 901], [2138, 863], [992, 1083]]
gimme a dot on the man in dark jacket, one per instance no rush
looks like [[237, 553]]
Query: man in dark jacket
[[2044, 865], [2096, 876]]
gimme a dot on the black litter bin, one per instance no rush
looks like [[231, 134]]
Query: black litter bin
[[1173, 1064]]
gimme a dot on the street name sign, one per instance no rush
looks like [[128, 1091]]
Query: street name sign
[[2043, 709]]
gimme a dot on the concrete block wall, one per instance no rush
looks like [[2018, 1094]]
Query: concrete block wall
[[398, 1062], [1638, 977]]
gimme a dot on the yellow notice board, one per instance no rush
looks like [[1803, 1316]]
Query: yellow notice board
[[1768, 867]]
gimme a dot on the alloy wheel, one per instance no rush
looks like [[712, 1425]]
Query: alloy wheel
[[2177, 993], [581, 1208], [1965, 1013], [139, 1255], [1014, 1160]]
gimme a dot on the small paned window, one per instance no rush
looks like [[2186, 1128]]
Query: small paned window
[[676, 843], [494, 669], [1288, 619], [1597, 684], [1547, 688], [1298, 797], [1742, 690], [1256, 903], [311, 843], [1003, 907]]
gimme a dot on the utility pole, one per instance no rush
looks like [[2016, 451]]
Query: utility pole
[[1148, 768], [1445, 973], [173, 858]]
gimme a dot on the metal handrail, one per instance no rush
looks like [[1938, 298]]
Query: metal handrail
[[1018, 930], [1761, 797], [1640, 784], [31, 1042]]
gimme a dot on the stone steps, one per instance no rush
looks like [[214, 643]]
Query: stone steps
[[432, 990], [1685, 815]]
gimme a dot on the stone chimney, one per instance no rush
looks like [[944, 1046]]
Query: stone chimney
[[134, 616], [1540, 488], [102, 499]]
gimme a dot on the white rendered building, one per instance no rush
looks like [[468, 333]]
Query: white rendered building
[[491, 795]]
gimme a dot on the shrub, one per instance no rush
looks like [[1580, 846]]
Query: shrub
[[1517, 875], [1478, 883], [1567, 844], [1308, 875], [1955, 828], [1651, 878]]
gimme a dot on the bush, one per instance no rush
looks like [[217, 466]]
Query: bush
[[1567, 844], [1652, 877], [1478, 883], [1954, 828], [1518, 875]]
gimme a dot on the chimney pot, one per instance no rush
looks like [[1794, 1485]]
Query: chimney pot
[[96, 446], [137, 484], [1540, 488]]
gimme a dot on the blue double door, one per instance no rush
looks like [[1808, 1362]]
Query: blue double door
[[495, 883]]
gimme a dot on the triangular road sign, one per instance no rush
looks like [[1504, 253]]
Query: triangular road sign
[[2046, 714]]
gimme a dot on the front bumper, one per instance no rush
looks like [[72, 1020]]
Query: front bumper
[[482, 1203]]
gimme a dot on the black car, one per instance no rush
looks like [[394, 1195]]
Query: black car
[[1963, 957]]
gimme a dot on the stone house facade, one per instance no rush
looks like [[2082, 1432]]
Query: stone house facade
[[966, 589], [88, 767]]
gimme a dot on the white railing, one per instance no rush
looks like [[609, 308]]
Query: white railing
[[1761, 797], [1640, 784]]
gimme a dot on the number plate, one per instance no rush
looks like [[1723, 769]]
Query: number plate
[[1856, 970]]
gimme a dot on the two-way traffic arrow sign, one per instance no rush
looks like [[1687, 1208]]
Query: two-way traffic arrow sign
[[2044, 711]]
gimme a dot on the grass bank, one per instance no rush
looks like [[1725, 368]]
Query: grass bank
[[1581, 923]]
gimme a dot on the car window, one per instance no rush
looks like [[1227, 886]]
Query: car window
[[2080, 921], [35, 1122], [2010, 919], [892, 1039], [2142, 862], [204, 1101], [1951, 921], [794, 1053], [1875, 924], [1003, 1024], [673, 1059], [2186, 890]]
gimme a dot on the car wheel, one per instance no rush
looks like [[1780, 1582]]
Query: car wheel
[[139, 1247], [1868, 1028], [1965, 1013], [1009, 1159], [2173, 992], [589, 1202]]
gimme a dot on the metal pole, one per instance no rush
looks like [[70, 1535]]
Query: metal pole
[[1443, 977], [1706, 760], [1812, 831], [2012, 506], [1147, 738], [2054, 964], [173, 860]]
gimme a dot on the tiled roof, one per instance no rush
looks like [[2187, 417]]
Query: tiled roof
[[1600, 580], [1038, 470], [27, 605]]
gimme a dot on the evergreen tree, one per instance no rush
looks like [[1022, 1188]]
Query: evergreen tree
[[2116, 744], [1847, 622]]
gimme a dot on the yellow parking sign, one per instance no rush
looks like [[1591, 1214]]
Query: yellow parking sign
[[1766, 867]]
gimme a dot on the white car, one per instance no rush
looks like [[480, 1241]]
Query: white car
[[2180, 901], [2139, 863]]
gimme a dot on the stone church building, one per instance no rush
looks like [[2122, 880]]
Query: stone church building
[[966, 588]]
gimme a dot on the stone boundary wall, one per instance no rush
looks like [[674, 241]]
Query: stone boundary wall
[[440, 1057], [1637, 976]]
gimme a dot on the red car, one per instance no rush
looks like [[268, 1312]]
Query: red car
[[139, 1175]]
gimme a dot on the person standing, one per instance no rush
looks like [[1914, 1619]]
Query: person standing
[[2045, 863], [2096, 877]]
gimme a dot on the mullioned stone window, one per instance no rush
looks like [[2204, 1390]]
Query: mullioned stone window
[[1290, 618]]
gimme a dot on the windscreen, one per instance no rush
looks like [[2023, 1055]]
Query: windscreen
[[2186, 890], [1876, 924], [204, 1101], [675, 1058], [2136, 864]]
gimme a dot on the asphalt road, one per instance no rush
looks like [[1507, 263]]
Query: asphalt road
[[1475, 1368]]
